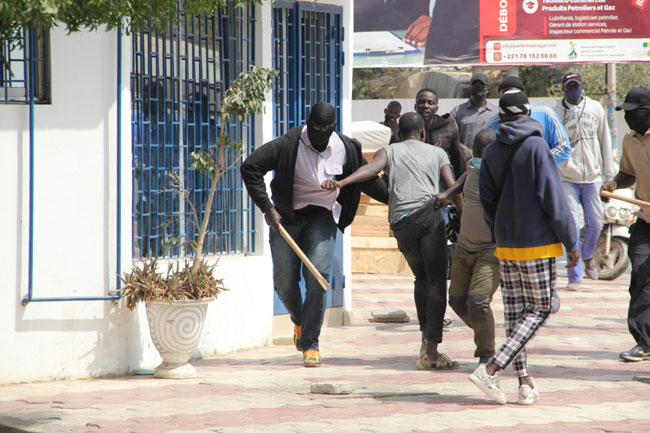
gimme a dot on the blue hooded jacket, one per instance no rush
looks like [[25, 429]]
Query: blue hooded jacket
[[531, 217]]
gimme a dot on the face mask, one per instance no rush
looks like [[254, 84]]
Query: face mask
[[638, 119], [319, 139], [476, 162], [479, 93], [573, 94]]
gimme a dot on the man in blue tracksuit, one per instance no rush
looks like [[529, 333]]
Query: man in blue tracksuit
[[526, 210], [553, 130]]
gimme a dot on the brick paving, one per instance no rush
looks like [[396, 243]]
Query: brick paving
[[574, 358]]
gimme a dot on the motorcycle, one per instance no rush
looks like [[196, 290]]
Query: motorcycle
[[611, 257]]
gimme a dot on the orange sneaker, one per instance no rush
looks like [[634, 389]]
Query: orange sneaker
[[311, 358], [297, 329]]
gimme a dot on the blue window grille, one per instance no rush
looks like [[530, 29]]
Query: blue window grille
[[15, 58], [308, 55], [178, 79]]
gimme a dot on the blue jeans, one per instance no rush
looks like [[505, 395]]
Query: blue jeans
[[421, 238], [316, 236], [587, 195]]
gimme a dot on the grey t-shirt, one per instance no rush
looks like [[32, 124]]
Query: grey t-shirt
[[474, 232], [413, 171]]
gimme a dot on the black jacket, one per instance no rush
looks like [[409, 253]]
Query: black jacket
[[280, 155], [443, 133]]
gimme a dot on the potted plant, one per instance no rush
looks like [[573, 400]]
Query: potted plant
[[176, 302]]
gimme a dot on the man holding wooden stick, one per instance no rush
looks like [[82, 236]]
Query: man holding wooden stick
[[635, 169], [302, 159]]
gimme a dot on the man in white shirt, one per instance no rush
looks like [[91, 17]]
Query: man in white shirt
[[302, 159]]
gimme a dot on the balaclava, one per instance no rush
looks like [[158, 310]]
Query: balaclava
[[322, 115], [638, 119]]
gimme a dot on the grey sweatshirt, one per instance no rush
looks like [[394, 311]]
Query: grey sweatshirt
[[591, 143]]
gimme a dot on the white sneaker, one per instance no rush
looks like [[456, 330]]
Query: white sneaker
[[573, 286], [528, 395], [488, 384]]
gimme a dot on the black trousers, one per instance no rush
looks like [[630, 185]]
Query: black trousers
[[421, 238], [638, 315]]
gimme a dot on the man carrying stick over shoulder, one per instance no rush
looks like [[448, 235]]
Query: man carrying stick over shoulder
[[302, 159], [635, 169]]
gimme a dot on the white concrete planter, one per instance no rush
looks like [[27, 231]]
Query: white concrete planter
[[176, 331]]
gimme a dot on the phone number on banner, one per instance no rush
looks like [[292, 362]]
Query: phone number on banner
[[522, 52], [567, 51]]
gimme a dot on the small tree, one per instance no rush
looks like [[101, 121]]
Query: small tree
[[245, 97], [78, 15]]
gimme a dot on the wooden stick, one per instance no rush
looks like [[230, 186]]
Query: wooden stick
[[294, 246], [635, 201]]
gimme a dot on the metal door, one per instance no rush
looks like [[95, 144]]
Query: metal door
[[307, 41]]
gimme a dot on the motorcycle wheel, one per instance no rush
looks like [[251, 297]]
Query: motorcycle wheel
[[612, 267]]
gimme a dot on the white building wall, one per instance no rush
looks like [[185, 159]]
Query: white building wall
[[75, 225], [74, 221]]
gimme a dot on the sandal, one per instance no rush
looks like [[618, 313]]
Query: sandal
[[442, 363]]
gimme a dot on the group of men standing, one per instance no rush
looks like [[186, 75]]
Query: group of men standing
[[517, 174]]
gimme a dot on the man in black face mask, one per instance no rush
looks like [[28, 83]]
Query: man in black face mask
[[472, 116], [635, 169], [302, 159], [590, 164]]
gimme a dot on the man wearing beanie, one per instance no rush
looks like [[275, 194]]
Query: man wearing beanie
[[526, 210], [302, 159], [591, 163], [554, 132], [635, 169]]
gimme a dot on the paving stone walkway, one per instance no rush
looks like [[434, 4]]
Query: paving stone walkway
[[584, 386]]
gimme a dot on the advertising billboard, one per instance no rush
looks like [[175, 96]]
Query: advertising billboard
[[500, 32]]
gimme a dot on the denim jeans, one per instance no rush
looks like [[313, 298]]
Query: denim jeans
[[316, 236], [638, 314], [587, 195], [421, 238]]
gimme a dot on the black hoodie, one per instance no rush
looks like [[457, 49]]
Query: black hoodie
[[443, 133]]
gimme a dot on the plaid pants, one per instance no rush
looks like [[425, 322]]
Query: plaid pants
[[526, 290]]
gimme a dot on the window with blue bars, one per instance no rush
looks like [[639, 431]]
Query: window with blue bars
[[308, 55], [15, 57], [178, 79]]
